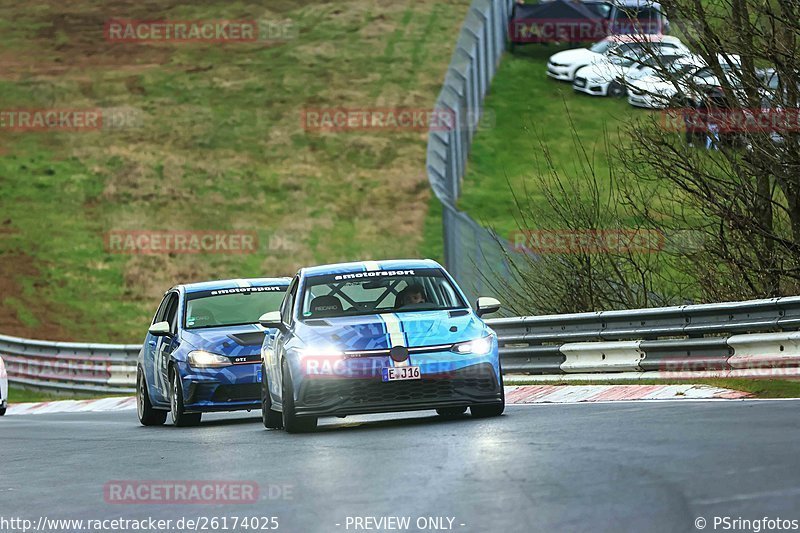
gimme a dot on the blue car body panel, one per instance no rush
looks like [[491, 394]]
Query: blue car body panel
[[228, 388], [366, 340]]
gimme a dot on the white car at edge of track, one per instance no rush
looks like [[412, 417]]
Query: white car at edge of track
[[656, 91], [611, 77], [563, 65]]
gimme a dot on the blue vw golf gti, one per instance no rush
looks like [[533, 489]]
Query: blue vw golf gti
[[376, 337], [203, 350]]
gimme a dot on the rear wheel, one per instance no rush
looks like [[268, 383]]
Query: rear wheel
[[291, 422], [179, 416], [451, 412], [2, 411], [144, 409], [272, 419]]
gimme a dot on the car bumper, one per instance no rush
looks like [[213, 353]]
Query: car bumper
[[587, 87], [478, 384], [232, 388], [559, 73], [646, 100]]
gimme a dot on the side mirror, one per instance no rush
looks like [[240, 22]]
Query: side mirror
[[160, 329], [486, 306], [272, 320]]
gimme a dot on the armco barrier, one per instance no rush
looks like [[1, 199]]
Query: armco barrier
[[70, 367], [758, 337], [730, 336]]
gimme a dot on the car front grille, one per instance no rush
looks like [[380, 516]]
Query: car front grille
[[237, 393], [372, 391]]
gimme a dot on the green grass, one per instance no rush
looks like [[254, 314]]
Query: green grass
[[19, 395], [531, 108], [215, 142], [760, 388]]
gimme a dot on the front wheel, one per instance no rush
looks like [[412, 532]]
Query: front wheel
[[616, 89], [486, 411], [2, 411], [144, 409], [271, 419], [179, 416], [291, 422]]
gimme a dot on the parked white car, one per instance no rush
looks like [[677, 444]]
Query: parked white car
[[611, 77], [3, 388], [563, 65], [659, 89]]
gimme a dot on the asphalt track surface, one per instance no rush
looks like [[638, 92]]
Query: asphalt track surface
[[623, 466]]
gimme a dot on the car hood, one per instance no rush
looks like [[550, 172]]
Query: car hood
[[577, 55], [372, 332], [231, 341], [602, 70]]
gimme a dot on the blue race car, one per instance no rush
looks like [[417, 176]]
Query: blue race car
[[377, 337], [202, 351]]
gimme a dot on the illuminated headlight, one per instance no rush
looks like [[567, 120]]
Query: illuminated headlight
[[477, 347], [203, 359], [322, 351]]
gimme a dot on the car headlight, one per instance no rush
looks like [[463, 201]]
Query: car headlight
[[478, 346], [203, 359]]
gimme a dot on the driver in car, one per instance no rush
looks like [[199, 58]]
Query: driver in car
[[411, 295]]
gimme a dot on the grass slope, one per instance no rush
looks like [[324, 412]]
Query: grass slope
[[214, 142]]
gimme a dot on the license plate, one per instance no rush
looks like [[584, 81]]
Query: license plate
[[400, 373]]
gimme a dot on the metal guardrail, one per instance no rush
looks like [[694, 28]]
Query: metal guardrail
[[756, 334], [680, 338], [70, 367]]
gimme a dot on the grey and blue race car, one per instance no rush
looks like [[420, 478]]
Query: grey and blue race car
[[203, 350], [375, 337]]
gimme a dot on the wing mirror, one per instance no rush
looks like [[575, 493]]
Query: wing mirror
[[160, 329], [272, 320], [486, 306]]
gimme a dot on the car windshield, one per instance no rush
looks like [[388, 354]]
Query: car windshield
[[385, 291], [601, 47], [231, 307]]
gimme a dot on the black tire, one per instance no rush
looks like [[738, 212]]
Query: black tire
[[617, 90], [271, 419], [451, 412], [291, 422], [2, 411], [180, 417], [148, 416], [487, 411]]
